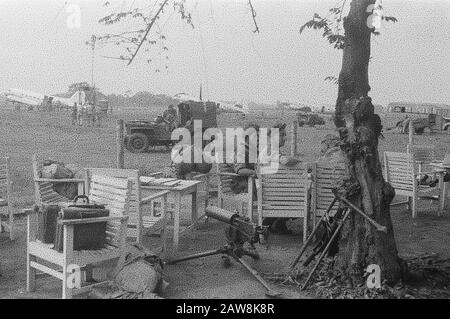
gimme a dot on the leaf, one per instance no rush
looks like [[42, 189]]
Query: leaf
[[389, 19], [332, 79]]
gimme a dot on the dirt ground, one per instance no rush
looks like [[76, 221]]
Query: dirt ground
[[51, 135]]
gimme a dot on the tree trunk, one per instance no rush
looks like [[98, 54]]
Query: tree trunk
[[359, 127]]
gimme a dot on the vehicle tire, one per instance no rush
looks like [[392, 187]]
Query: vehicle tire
[[125, 142], [137, 143]]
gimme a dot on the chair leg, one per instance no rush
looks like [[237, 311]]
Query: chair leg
[[11, 226], [414, 207], [305, 228], [31, 274], [66, 290], [409, 205]]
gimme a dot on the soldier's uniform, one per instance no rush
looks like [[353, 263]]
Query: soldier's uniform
[[74, 114]]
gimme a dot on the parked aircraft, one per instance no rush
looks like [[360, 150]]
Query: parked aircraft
[[33, 99]]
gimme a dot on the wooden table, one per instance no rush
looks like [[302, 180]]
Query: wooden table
[[441, 170], [178, 188]]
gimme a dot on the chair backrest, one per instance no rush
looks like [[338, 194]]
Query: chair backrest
[[5, 181], [400, 171], [225, 181], [43, 191], [134, 207], [325, 177], [115, 194], [285, 193], [422, 153]]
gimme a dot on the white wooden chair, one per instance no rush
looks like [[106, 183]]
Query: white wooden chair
[[139, 221], [284, 194], [325, 177], [43, 187], [402, 172], [115, 194], [5, 202]]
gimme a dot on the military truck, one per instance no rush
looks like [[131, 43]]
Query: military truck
[[141, 135]]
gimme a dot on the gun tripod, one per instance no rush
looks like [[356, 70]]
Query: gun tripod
[[234, 249], [333, 229]]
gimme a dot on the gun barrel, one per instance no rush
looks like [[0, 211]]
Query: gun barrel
[[220, 214]]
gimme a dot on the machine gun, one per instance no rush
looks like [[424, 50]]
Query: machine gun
[[240, 231]]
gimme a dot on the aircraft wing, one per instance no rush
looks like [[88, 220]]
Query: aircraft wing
[[23, 98], [35, 99]]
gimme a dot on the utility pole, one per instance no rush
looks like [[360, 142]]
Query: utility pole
[[93, 41]]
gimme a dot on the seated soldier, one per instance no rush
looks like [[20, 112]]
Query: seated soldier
[[170, 116]]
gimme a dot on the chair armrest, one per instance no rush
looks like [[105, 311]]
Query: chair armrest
[[62, 180], [199, 176], [153, 197], [92, 220], [30, 211], [156, 174], [426, 173], [227, 174]]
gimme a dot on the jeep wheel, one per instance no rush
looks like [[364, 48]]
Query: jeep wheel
[[137, 143], [125, 143]]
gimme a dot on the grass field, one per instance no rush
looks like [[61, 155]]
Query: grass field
[[51, 135]]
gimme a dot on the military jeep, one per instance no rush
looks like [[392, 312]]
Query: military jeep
[[310, 119], [141, 135]]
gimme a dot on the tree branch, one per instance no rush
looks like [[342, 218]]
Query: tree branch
[[253, 16], [149, 27]]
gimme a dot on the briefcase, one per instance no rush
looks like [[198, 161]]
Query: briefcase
[[85, 236]]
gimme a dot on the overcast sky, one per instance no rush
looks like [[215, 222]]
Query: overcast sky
[[410, 59]]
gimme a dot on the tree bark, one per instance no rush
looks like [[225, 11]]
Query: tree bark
[[359, 127]]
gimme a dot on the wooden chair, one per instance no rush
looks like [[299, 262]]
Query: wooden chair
[[402, 172], [138, 222], [43, 187], [115, 194], [5, 202], [284, 194], [325, 176]]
